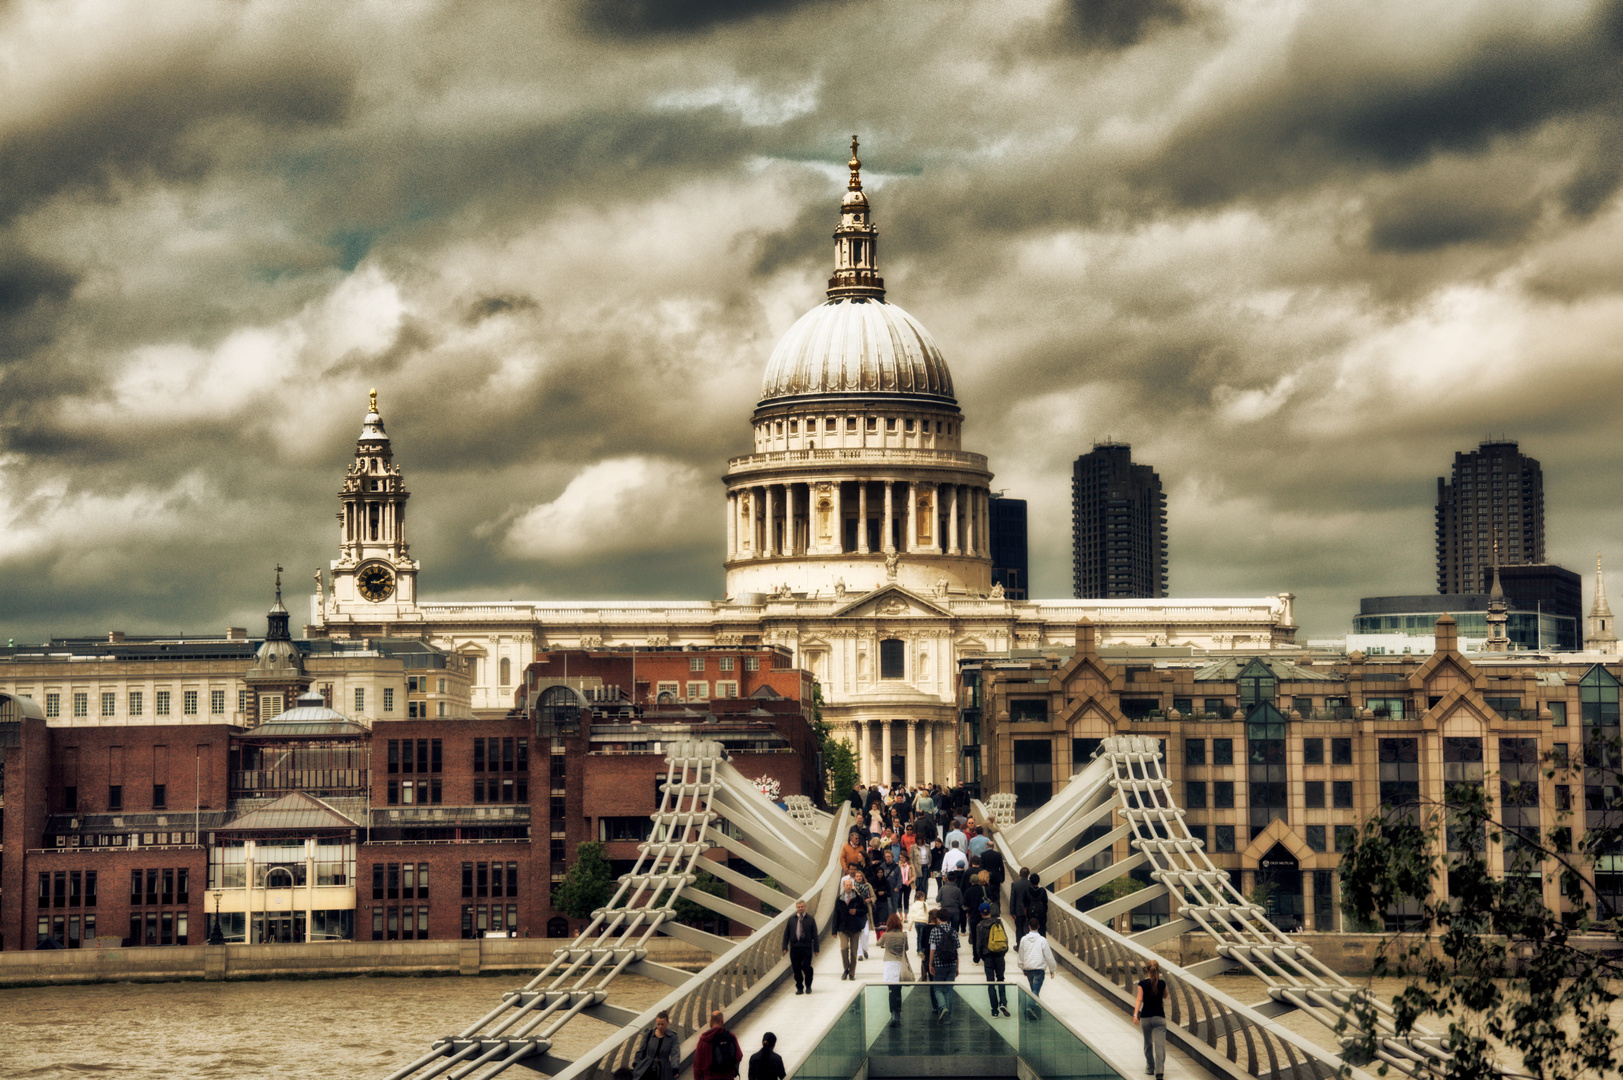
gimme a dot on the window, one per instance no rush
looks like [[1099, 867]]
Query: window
[[53, 705], [695, 663], [188, 702], [1222, 751], [752, 663], [160, 796], [1385, 708], [1313, 790], [217, 702], [1223, 794], [1344, 837], [70, 797], [1315, 837], [1341, 794], [1312, 751], [360, 699], [81, 703], [727, 689], [388, 699], [1558, 713], [698, 691], [135, 703], [1214, 706], [725, 663], [242, 701], [1225, 837], [1399, 772], [1257, 686], [892, 659], [1265, 766], [1341, 752], [1034, 710], [1082, 751], [1033, 772], [1194, 795], [507, 672], [115, 797], [1194, 751], [108, 703], [162, 702]]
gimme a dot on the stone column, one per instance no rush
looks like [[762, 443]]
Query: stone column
[[912, 753], [885, 532], [929, 751], [952, 523], [839, 517], [732, 526], [937, 541], [862, 517], [969, 522], [860, 728], [884, 750], [769, 545], [910, 538]]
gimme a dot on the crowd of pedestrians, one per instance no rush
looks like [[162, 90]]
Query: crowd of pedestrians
[[920, 882]]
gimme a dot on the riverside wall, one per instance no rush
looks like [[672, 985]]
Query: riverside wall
[[214, 962]]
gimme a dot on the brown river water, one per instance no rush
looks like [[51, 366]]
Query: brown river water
[[322, 1029]]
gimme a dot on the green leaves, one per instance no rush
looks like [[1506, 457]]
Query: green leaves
[[587, 886]]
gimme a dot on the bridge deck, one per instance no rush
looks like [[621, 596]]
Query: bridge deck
[[800, 1020]]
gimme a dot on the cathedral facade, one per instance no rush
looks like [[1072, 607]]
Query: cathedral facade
[[856, 538]]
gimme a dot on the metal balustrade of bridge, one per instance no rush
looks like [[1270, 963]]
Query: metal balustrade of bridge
[[706, 804], [1125, 793]]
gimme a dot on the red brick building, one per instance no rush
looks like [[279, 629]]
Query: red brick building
[[311, 826]]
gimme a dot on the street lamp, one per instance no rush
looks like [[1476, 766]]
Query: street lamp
[[216, 937]]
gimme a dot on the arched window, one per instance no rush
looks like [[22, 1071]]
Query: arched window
[[507, 672], [892, 659]]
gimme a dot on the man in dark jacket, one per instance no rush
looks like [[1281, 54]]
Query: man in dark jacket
[[1018, 892], [1037, 905], [950, 899], [660, 1055], [992, 863], [800, 942]]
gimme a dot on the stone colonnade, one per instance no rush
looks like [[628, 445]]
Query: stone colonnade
[[920, 742], [838, 516]]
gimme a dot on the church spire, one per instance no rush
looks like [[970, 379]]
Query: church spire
[[1498, 617], [856, 263], [1601, 607], [1600, 632]]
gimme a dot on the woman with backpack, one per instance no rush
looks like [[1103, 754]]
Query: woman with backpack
[[1149, 1013], [943, 964]]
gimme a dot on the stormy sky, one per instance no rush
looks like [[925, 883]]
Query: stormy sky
[[1296, 253]]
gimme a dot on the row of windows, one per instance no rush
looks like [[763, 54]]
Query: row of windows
[[158, 928], [480, 919], [115, 797], [489, 879], [67, 888], [1222, 794], [724, 663], [415, 755], [501, 755], [159, 886], [400, 881], [831, 425], [407, 923], [669, 692], [415, 792], [66, 930], [136, 703]]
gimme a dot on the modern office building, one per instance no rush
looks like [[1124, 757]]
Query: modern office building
[[1118, 526], [1495, 496], [1010, 565], [1544, 588], [1279, 756], [1531, 628]]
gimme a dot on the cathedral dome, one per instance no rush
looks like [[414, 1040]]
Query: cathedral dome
[[857, 345]]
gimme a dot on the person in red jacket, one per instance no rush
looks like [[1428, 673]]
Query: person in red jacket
[[718, 1054]]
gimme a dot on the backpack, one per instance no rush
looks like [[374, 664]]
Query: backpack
[[997, 939], [1037, 905], [724, 1052], [948, 949]]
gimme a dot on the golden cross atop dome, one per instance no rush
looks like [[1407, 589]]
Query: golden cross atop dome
[[372, 405], [856, 167]]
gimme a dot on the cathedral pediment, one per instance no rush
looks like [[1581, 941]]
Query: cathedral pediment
[[892, 602]]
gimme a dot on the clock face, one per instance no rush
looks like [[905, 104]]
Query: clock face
[[375, 582]]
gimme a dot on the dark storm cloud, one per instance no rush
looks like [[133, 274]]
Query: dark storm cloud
[[1117, 24], [1340, 110], [659, 18], [161, 117], [1296, 264]]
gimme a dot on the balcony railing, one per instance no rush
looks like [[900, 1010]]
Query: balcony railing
[[859, 455]]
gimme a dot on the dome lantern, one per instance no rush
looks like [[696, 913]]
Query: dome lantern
[[856, 263]]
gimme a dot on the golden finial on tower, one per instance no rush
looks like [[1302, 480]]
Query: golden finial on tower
[[856, 167], [372, 405]]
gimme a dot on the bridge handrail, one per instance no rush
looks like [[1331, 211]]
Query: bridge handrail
[[1112, 964], [745, 970]]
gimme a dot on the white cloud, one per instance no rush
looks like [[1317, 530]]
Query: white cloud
[[622, 506]]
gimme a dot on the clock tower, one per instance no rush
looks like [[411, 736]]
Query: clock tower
[[374, 578]]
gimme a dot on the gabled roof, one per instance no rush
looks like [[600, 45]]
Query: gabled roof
[[911, 604], [1229, 668], [294, 811]]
